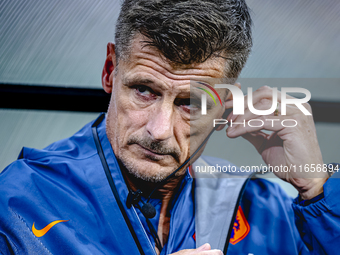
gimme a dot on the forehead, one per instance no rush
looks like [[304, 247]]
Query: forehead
[[147, 62]]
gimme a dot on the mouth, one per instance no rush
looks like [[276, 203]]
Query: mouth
[[155, 156]]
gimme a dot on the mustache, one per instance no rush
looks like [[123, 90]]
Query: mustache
[[159, 147]]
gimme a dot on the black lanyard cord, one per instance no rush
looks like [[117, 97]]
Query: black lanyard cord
[[111, 182], [153, 231]]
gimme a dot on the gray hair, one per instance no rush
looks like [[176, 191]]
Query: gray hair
[[188, 31]]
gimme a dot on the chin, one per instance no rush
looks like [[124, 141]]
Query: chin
[[146, 170]]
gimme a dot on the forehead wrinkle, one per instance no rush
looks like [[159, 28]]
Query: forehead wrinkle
[[149, 68], [148, 78], [199, 70], [156, 71], [142, 77]]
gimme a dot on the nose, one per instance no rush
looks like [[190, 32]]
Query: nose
[[160, 124]]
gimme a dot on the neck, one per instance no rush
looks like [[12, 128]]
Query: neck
[[165, 193]]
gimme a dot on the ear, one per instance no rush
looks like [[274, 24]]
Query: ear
[[228, 103], [108, 69]]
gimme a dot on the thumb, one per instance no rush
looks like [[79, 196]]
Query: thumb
[[204, 247]]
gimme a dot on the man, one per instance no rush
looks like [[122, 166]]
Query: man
[[122, 185]]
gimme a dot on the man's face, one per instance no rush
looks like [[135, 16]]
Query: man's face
[[148, 120]]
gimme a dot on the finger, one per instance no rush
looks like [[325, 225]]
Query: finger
[[211, 252], [263, 105], [204, 247], [266, 92], [272, 123], [261, 140], [263, 92], [266, 105]]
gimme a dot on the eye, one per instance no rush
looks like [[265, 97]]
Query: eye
[[144, 92], [188, 104], [143, 89]]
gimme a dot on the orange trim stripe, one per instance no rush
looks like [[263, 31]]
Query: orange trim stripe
[[43, 231]]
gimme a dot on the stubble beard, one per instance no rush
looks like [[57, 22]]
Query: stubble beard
[[146, 174], [149, 175]]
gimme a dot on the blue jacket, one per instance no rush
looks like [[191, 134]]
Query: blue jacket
[[66, 182]]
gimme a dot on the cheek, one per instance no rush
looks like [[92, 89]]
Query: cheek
[[201, 128], [129, 118], [182, 136]]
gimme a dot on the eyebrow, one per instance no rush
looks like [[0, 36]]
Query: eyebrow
[[137, 79]]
